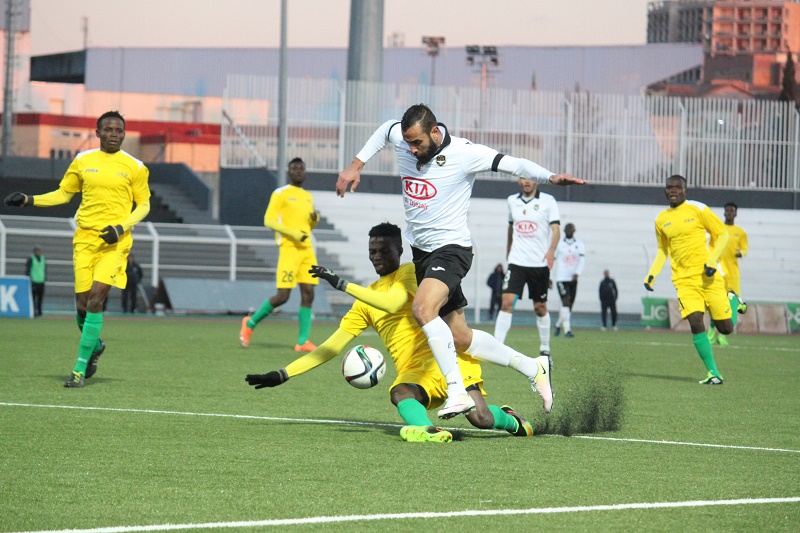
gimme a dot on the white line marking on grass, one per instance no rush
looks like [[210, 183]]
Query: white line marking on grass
[[679, 443], [378, 424], [409, 516], [730, 346]]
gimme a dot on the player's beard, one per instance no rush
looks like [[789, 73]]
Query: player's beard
[[423, 159]]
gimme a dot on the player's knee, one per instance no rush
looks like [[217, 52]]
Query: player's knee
[[424, 312], [725, 327], [402, 392]]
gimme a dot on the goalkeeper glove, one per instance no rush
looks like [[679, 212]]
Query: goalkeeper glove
[[709, 271], [17, 199], [649, 283], [336, 282], [270, 379], [111, 234]]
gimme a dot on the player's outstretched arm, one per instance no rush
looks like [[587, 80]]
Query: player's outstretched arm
[[566, 179], [322, 354], [389, 302], [349, 177]]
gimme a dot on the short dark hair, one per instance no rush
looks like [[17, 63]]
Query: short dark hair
[[389, 230], [732, 204], [110, 114], [297, 160], [418, 114], [678, 177]]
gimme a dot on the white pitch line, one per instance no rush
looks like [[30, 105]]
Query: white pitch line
[[410, 516], [728, 347], [379, 424]]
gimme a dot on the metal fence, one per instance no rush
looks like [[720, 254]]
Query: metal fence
[[608, 139]]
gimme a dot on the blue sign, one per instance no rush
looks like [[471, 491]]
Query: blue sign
[[15, 297]]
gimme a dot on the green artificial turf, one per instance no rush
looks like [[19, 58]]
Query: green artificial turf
[[168, 432]]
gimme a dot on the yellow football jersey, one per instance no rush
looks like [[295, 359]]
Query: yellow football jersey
[[292, 206], [737, 243], [109, 184], [405, 340], [681, 232]]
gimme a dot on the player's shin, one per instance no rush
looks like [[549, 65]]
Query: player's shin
[[413, 413], [501, 325], [304, 317], [487, 348], [503, 420], [89, 335], [440, 340], [705, 352], [543, 325]]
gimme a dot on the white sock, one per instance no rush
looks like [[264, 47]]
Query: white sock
[[543, 323], [566, 314], [489, 349], [502, 325], [440, 339]]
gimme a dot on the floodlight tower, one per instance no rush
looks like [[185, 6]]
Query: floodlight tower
[[433, 44], [485, 57]]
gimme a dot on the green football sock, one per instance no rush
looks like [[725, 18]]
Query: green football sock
[[262, 313], [304, 315], [503, 420], [734, 310], [703, 348], [413, 413], [91, 331], [81, 318]]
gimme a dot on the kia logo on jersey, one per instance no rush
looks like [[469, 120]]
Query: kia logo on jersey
[[571, 260], [418, 189], [527, 228]]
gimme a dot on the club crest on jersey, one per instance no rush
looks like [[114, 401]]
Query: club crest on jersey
[[527, 228], [440, 160], [418, 189]]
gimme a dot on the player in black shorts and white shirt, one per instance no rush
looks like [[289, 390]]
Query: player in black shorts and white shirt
[[437, 172], [570, 258], [533, 233]]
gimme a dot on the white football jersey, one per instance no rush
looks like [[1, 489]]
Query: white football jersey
[[437, 196], [531, 219], [570, 258]]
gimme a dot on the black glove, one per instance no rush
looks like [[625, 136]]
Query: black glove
[[270, 379], [17, 199], [649, 283], [111, 234], [336, 282], [709, 271]]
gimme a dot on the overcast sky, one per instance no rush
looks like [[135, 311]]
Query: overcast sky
[[56, 25]]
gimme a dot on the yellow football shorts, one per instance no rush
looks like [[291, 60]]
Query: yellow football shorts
[[733, 283], [430, 379], [94, 260], [701, 293], [293, 266]]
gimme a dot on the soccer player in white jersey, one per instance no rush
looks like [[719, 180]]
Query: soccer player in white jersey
[[437, 172], [570, 258], [533, 233]]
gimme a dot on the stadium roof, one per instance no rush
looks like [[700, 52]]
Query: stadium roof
[[203, 71]]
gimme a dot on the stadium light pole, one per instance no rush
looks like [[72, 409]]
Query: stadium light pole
[[282, 91], [8, 92], [433, 44], [484, 57]]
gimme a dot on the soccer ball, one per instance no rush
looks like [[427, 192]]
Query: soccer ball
[[363, 367]]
